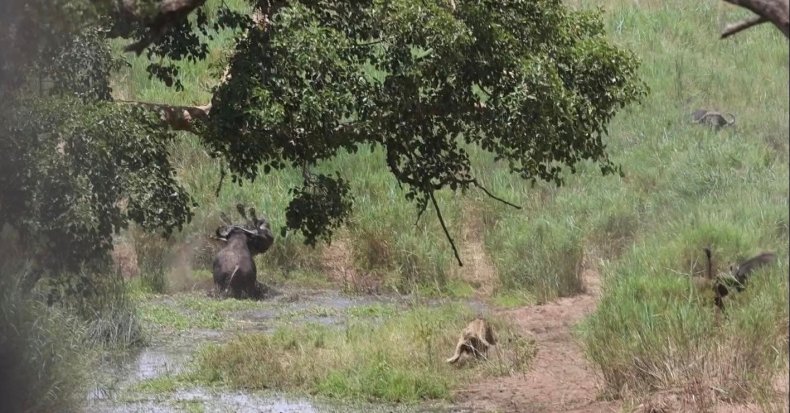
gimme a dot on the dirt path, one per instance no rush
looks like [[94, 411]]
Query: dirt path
[[560, 379], [478, 270]]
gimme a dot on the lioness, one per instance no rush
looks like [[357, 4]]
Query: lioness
[[475, 339]]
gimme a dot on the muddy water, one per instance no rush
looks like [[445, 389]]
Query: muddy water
[[208, 401], [114, 392], [325, 307]]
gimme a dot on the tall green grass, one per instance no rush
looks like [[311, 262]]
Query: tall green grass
[[102, 304], [43, 358], [398, 358], [53, 330], [654, 330]]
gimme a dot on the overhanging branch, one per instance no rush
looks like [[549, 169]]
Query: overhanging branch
[[742, 25], [774, 11], [420, 212]]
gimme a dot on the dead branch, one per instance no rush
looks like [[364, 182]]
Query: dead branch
[[221, 179], [774, 11]]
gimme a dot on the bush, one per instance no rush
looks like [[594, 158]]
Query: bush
[[42, 354], [102, 304], [656, 330]]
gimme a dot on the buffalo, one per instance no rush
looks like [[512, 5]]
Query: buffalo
[[234, 268]]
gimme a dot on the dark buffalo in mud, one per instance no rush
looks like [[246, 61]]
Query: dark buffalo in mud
[[234, 268]]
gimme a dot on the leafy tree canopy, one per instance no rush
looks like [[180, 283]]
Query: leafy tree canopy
[[530, 81]]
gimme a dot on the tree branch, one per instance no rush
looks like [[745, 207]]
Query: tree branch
[[774, 11], [444, 227], [742, 25], [477, 184], [176, 117]]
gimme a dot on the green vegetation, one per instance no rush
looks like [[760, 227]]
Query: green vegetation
[[687, 187], [684, 187], [101, 304], [193, 406], [379, 353], [162, 384], [398, 358], [42, 352], [655, 330], [316, 82], [661, 333]]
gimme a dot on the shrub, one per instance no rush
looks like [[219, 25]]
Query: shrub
[[42, 354]]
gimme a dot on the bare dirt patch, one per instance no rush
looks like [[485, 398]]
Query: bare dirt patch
[[560, 379]]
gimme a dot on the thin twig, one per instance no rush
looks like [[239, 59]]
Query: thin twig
[[444, 227], [477, 184]]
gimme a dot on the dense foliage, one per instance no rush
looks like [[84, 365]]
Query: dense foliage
[[76, 167], [530, 81]]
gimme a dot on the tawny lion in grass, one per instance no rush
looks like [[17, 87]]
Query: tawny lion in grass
[[476, 338]]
